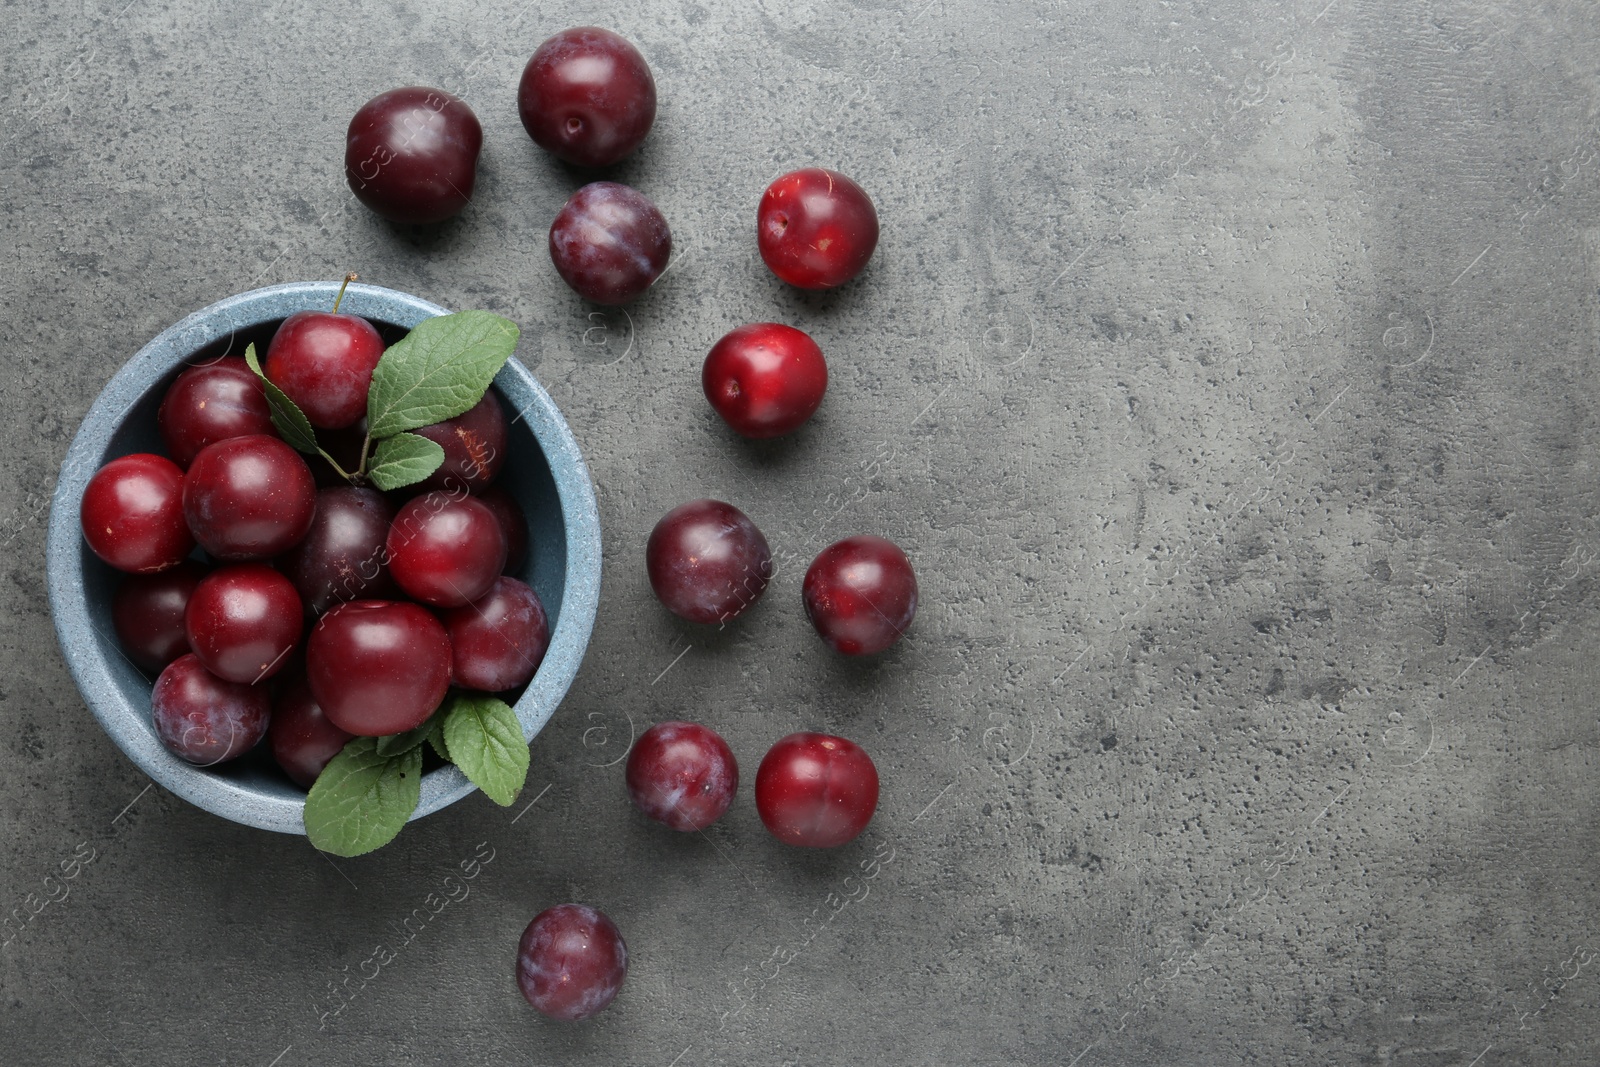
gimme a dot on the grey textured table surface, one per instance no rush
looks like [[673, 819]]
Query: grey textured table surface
[[1226, 369]]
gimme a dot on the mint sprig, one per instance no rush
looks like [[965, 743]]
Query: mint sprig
[[485, 740], [363, 798]]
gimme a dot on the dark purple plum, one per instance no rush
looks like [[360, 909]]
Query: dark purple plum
[[133, 514], [682, 774], [512, 523], [445, 551], [204, 719], [378, 667], [411, 154], [342, 557], [303, 739], [587, 97], [498, 640], [474, 446], [242, 621], [249, 497], [609, 243], [707, 561], [212, 402], [860, 594], [323, 361], [571, 962], [147, 613], [816, 790]]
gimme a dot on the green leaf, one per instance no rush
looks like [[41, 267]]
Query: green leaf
[[436, 738], [395, 744], [438, 370], [485, 740], [362, 799], [404, 459], [286, 414]]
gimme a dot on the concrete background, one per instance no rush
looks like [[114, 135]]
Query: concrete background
[[1228, 371]]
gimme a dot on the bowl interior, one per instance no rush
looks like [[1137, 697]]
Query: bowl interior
[[252, 789]]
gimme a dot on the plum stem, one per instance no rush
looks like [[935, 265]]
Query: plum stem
[[348, 278], [340, 471]]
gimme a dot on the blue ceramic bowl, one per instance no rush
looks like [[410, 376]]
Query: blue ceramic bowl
[[543, 471]]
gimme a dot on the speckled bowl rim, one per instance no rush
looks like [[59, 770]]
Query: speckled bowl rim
[[125, 722]]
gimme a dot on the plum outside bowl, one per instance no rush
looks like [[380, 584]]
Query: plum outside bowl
[[544, 472]]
